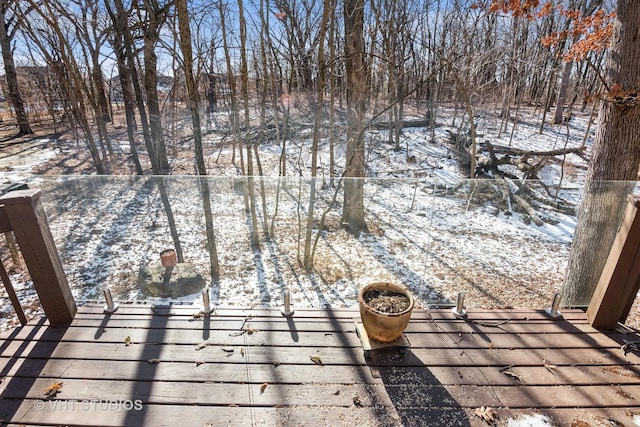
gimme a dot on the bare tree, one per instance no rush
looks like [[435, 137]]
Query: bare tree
[[54, 45], [308, 258], [8, 26], [119, 40], [194, 108], [357, 90], [152, 17]]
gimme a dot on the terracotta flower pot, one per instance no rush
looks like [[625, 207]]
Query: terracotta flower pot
[[384, 327], [168, 258]]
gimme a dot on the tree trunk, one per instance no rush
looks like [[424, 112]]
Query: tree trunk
[[151, 37], [125, 84], [357, 86], [562, 93], [13, 95], [308, 257], [194, 108], [129, 47], [615, 156]]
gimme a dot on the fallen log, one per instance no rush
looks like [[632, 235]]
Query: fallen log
[[403, 124], [528, 162], [502, 149]]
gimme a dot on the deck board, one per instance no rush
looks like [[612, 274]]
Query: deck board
[[178, 367]]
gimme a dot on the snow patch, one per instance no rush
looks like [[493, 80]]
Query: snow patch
[[535, 420]]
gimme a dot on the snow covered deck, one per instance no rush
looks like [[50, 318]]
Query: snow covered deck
[[162, 366]]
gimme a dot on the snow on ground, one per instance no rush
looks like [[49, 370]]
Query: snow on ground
[[535, 420], [429, 229]]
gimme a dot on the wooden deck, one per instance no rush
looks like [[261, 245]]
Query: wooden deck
[[157, 366]]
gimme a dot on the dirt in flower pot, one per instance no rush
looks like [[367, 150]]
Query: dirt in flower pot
[[386, 301]]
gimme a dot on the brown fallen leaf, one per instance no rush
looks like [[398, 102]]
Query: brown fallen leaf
[[357, 401], [263, 387], [197, 316], [228, 350], [551, 368], [316, 360], [153, 361], [506, 370], [487, 414], [53, 390], [624, 394], [621, 371], [199, 362]]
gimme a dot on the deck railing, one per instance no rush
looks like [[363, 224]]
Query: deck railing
[[620, 280], [437, 238], [21, 212]]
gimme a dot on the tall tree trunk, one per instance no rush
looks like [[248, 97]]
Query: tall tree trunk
[[357, 87], [563, 92], [308, 257], [125, 84], [24, 128], [155, 17], [234, 116], [615, 156], [129, 48], [194, 108], [332, 97], [244, 90]]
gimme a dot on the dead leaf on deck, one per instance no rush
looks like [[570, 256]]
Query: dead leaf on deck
[[153, 361], [228, 350], [127, 341], [197, 316], [201, 346], [316, 360], [251, 331], [53, 390], [506, 370], [487, 414], [357, 401], [621, 371], [263, 387], [624, 394], [199, 362], [551, 368]]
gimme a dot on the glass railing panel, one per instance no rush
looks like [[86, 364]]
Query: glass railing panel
[[436, 237]]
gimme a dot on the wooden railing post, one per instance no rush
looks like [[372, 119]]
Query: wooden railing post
[[620, 278], [31, 229]]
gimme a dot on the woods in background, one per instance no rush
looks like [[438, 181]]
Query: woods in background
[[271, 65]]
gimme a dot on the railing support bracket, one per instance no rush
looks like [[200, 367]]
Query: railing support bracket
[[459, 310], [110, 306]]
